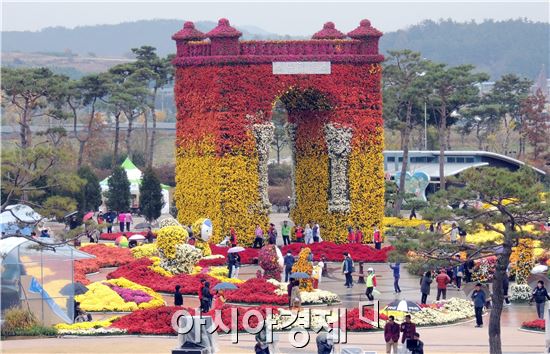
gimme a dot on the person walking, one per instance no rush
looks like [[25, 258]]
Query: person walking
[[316, 231], [391, 335], [351, 235], [233, 237], [259, 237], [199, 292], [320, 269], [505, 286], [272, 235], [454, 233], [540, 295], [408, 329], [413, 214], [285, 231], [478, 297], [324, 260], [377, 236], [109, 219], [371, 284], [100, 221], [425, 283], [299, 234], [442, 280], [150, 236], [230, 264], [308, 233], [458, 272], [462, 234], [236, 265], [347, 268], [296, 296], [178, 297], [358, 235], [418, 346], [288, 263], [206, 301], [121, 221], [128, 219], [396, 267]]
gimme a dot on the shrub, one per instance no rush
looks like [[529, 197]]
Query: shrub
[[17, 319]]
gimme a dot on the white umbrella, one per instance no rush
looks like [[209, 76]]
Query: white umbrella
[[136, 237], [235, 249]]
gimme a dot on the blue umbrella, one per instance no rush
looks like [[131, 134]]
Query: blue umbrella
[[225, 286], [299, 275]]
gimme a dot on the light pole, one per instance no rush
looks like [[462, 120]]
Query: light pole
[[425, 128]]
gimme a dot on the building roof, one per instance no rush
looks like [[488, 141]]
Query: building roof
[[480, 153], [134, 175], [432, 169]]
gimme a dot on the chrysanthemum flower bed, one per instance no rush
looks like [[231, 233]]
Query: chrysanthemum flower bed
[[106, 256], [118, 295], [335, 252]]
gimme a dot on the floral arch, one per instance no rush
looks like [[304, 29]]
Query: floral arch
[[224, 93]]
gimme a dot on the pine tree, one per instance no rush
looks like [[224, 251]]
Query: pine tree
[[150, 191], [89, 197], [118, 195]]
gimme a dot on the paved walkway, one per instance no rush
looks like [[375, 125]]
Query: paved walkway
[[459, 338]]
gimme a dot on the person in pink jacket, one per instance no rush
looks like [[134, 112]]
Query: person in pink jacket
[[128, 220], [121, 220]]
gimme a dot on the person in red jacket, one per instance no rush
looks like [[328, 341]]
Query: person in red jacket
[[201, 285], [299, 234], [233, 237], [408, 328], [391, 335], [351, 235], [358, 235], [442, 280], [377, 236]]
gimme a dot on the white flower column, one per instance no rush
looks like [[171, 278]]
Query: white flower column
[[264, 136], [291, 132], [338, 141]]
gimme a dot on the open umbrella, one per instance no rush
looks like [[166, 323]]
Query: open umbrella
[[235, 249], [225, 286], [120, 239], [136, 237], [142, 225], [88, 216], [470, 287], [534, 279], [299, 275], [73, 289], [403, 305]]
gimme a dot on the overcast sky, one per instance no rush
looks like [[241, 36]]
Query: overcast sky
[[283, 18]]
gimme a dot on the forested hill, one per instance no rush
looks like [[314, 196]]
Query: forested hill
[[516, 46], [497, 48]]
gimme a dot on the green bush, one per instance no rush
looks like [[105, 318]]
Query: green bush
[[278, 174], [17, 318], [22, 322]]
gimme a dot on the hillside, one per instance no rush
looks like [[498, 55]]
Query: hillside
[[493, 47]]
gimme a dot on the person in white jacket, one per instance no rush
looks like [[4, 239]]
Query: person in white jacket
[[308, 234]]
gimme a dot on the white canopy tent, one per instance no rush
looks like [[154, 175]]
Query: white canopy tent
[[134, 176]]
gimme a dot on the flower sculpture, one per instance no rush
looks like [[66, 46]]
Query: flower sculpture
[[185, 259], [168, 238], [202, 231], [523, 254], [269, 262], [224, 123], [303, 265]]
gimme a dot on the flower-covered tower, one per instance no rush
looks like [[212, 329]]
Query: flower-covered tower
[[330, 86]]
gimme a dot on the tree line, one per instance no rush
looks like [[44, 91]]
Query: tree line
[[39, 168], [418, 91]]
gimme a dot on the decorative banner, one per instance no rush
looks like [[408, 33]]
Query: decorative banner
[[301, 67], [415, 183]]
